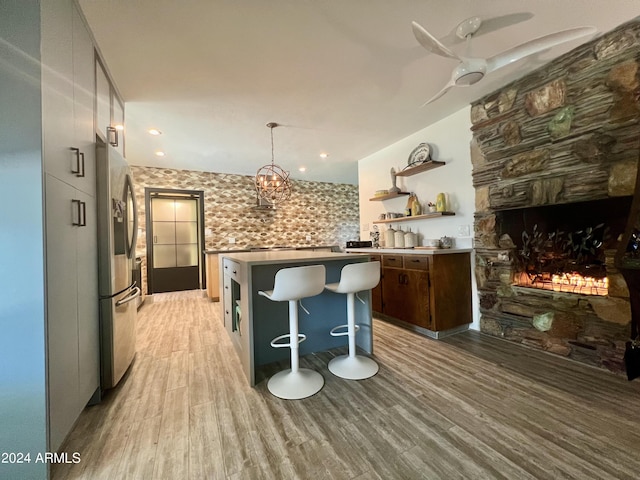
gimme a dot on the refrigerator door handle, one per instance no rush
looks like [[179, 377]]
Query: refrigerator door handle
[[133, 294]]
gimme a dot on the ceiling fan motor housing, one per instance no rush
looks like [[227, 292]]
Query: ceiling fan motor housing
[[468, 72]]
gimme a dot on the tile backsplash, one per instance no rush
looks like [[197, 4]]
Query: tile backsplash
[[327, 213]]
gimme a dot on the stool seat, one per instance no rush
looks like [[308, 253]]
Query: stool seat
[[355, 277], [290, 285]]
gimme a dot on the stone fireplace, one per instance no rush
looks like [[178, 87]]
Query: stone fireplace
[[555, 156]]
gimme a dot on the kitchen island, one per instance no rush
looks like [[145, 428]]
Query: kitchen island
[[252, 321], [212, 260]]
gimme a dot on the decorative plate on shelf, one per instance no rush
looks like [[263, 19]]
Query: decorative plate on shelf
[[420, 154]]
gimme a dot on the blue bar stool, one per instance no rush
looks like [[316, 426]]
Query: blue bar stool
[[354, 278], [291, 285]]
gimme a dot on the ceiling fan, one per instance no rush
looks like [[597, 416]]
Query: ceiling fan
[[471, 70]]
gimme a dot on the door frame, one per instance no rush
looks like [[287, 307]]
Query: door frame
[[173, 193]]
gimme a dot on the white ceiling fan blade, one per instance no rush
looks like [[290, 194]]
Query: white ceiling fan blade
[[431, 43], [444, 90], [536, 45]]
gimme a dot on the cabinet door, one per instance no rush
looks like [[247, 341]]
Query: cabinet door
[[103, 101], [213, 276], [451, 290], [83, 100], [62, 321], [118, 121], [57, 88], [406, 295], [88, 316]]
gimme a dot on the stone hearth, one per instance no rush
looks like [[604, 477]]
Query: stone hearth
[[565, 134]]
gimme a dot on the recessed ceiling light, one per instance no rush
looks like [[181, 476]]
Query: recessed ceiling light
[[160, 153], [154, 131], [324, 155], [302, 169]]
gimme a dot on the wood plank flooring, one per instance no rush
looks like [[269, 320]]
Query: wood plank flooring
[[466, 407]]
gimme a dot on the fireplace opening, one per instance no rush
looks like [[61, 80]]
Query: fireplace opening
[[563, 248]]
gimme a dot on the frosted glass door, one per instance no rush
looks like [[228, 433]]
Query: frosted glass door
[[175, 232], [174, 224]]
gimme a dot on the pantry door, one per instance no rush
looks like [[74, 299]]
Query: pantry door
[[174, 240]]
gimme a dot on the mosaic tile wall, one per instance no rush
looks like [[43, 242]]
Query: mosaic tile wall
[[327, 212]]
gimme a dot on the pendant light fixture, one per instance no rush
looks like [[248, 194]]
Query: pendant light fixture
[[272, 182]]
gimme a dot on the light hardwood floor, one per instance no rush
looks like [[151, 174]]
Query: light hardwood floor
[[467, 407]]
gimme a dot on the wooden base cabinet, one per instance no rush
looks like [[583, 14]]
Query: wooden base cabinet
[[429, 291]]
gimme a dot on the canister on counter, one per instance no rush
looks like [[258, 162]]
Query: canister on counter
[[410, 239], [399, 238], [389, 237]]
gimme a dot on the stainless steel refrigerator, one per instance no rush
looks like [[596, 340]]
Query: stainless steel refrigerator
[[117, 233]]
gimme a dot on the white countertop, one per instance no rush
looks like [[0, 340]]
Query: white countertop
[[411, 251], [285, 256]]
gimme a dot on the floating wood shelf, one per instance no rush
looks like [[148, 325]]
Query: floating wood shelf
[[379, 198], [423, 167], [416, 217]]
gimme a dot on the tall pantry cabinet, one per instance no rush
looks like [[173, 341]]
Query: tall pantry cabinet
[[72, 327]]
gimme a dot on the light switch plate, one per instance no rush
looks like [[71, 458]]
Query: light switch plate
[[365, 227], [232, 240], [464, 231]]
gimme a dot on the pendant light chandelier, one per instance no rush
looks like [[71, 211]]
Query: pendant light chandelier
[[272, 182]]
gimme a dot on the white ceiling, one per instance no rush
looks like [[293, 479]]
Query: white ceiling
[[345, 77]]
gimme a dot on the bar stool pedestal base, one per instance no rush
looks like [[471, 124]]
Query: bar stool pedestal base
[[295, 385], [353, 368]]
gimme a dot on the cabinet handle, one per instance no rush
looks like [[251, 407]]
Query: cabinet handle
[[81, 166], [81, 211], [76, 170], [155, 239], [406, 279], [112, 134]]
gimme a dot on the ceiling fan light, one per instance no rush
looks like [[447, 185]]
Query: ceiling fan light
[[469, 78]]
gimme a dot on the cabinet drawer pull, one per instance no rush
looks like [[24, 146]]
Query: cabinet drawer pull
[[76, 170], [112, 134], [81, 166], [81, 213]]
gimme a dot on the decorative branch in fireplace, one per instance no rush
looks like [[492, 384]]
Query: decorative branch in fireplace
[[559, 253]]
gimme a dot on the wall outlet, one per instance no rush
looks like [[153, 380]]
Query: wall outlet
[[464, 231], [365, 227], [308, 238], [232, 240]]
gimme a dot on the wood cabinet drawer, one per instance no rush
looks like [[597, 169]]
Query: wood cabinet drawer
[[392, 261], [416, 262]]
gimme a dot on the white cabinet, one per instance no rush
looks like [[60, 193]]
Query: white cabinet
[[62, 315], [68, 85], [103, 100], [67, 89], [83, 101], [109, 110]]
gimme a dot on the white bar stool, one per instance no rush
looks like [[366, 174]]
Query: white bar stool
[[291, 285], [354, 278]]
